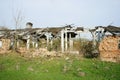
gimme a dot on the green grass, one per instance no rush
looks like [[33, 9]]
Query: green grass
[[15, 67]]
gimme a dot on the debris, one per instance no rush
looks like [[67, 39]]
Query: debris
[[81, 73], [17, 67], [41, 52], [30, 68], [5, 46], [109, 50], [67, 58]]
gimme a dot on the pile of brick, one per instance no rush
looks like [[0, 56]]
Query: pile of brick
[[41, 52], [5, 46], [109, 50]]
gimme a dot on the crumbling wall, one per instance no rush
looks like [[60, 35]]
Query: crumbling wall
[[109, 50], [5, 45], [41, 52]]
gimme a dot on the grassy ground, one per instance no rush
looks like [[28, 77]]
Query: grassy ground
[[15, 67]]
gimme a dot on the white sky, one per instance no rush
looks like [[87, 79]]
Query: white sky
[[47, 13]]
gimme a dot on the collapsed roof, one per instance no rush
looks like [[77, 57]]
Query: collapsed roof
[[112, 29], [54, 31]]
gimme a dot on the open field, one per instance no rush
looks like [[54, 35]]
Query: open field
[[68, 67]]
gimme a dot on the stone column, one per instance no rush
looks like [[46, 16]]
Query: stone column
[[70, 42], [51, 42], [99, 36], [0, 44], [33, 43], [66, 44], [28, 42], [12, 42], [62, 41], [36, 45], [94, 38], [18, 43], [47, 39]]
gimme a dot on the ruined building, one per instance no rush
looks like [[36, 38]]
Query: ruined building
[[109, 42]]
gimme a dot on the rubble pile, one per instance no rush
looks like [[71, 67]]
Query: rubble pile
[[5, 46], [41, 52], [33, 52], [109, 50]]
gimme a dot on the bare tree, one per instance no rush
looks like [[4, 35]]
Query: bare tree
[[18, 19]]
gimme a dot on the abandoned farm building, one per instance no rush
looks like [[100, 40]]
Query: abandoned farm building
[[107, 38], [31, 36], [109, 42]]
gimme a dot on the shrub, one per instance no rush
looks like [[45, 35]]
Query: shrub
[[55, 46], [86, 48], [90, 51]]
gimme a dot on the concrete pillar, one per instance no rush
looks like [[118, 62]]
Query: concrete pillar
[[12, 42], [51, 43], [33, 43], [36, 45], [66, 44], [62, 41], [18, 43], [70, 42], [0, 44], [28, 42], [99, 36], [94, 38], [47, 39]]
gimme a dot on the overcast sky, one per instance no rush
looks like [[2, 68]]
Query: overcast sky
[[47, 13]]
